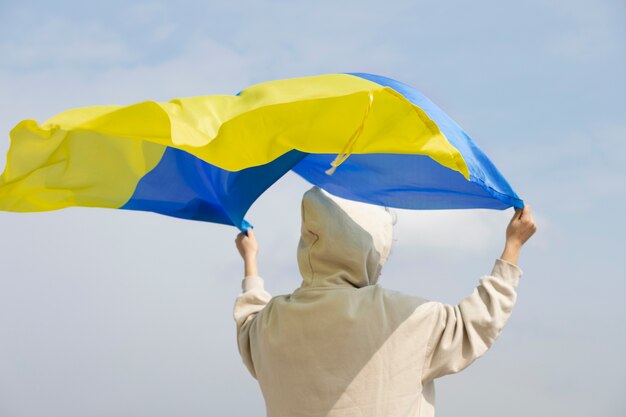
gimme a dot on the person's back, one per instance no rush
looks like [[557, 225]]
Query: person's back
[[341, 345]]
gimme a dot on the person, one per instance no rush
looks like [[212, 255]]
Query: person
[[342, 345]]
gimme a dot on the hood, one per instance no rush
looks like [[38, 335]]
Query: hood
[[342, 242]]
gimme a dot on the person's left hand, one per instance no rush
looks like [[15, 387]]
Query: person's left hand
[[247, 245]]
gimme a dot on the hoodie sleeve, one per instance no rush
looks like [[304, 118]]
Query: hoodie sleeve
[[464, 332], [252, 300]]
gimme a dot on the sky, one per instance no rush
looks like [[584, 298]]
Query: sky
[[127, 314]]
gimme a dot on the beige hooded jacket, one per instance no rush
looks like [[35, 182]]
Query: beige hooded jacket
[[341, 345]]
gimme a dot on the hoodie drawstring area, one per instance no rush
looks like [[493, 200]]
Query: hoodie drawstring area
[[347, 149]]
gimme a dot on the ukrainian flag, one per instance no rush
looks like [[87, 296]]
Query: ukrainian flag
[[358, 136]]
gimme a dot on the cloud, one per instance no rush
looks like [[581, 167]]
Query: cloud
[[463, 230]]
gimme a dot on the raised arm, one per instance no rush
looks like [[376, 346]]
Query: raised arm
[[252, 299], [464, 332]]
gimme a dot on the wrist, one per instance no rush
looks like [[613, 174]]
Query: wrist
[[513, 245], [511, 252], [249, 257], [250, 265]]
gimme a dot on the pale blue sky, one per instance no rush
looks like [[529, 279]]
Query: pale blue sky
[[113, 313]]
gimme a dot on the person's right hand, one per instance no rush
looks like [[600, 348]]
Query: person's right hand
[[247, 245], [521, 227]]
